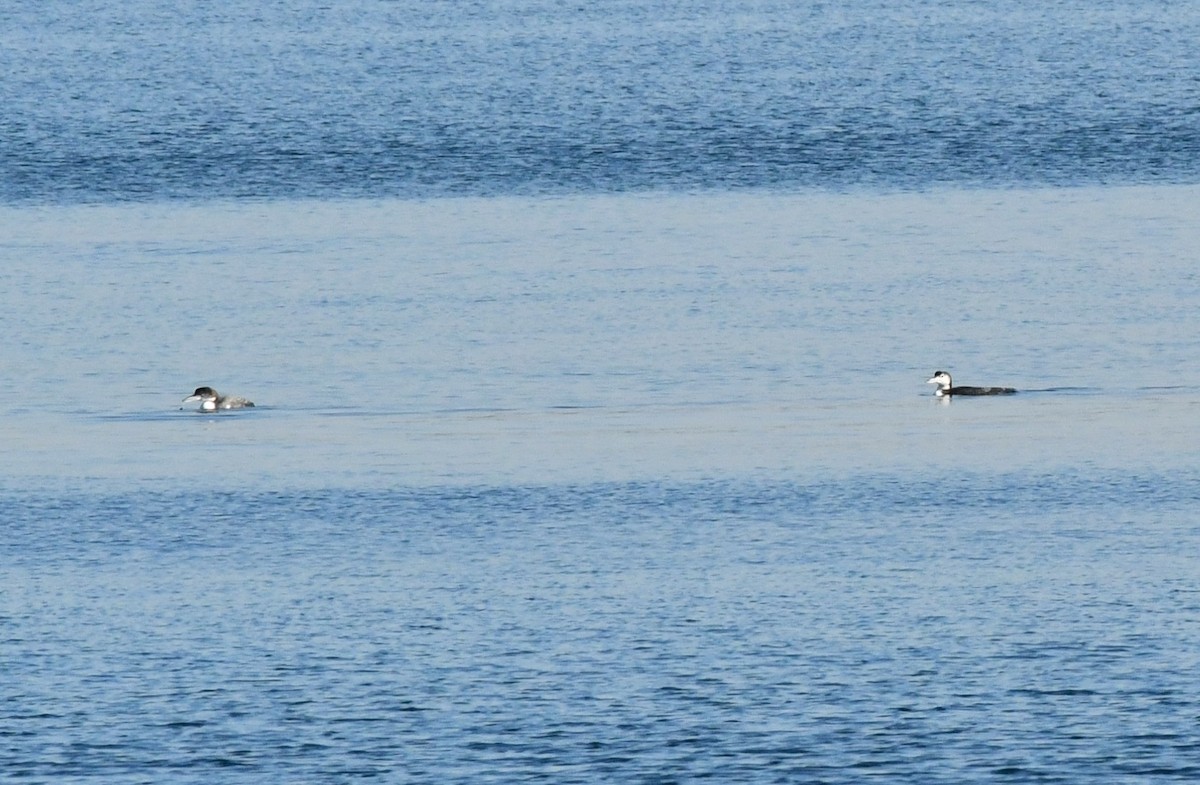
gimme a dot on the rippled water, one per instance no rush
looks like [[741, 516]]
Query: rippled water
[[141, 100], [588, 346], [602, 488], [1018, 627]]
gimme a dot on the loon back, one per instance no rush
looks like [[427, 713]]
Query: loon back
[[981, 391]]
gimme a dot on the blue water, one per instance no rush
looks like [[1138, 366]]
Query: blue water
[[1001, 628], [368, 98], [588, 346]]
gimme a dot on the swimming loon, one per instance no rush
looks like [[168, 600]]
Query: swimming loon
[[210, 401], [945, 387]]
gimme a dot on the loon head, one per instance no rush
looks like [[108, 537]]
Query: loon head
[[207, 397], [942, 380]]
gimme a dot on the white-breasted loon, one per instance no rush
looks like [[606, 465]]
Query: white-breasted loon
[[945, 387], [210, 401]]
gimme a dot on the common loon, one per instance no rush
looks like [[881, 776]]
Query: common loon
[[945, 387], [210, 401]]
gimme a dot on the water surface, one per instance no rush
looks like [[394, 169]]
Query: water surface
[[642, 488], [588, 343], [146, 100]]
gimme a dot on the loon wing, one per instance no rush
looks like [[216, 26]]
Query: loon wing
[[984, 390]]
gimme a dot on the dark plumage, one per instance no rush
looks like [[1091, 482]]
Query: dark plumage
[[946, 387]]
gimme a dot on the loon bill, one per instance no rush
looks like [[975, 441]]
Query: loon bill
[[945, 387], [210, 401]]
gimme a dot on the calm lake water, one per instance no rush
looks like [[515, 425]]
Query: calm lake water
[[603, 488], [588, 345]]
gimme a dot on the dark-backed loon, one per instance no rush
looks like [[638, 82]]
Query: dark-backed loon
[[945, 387], [210, 401]]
